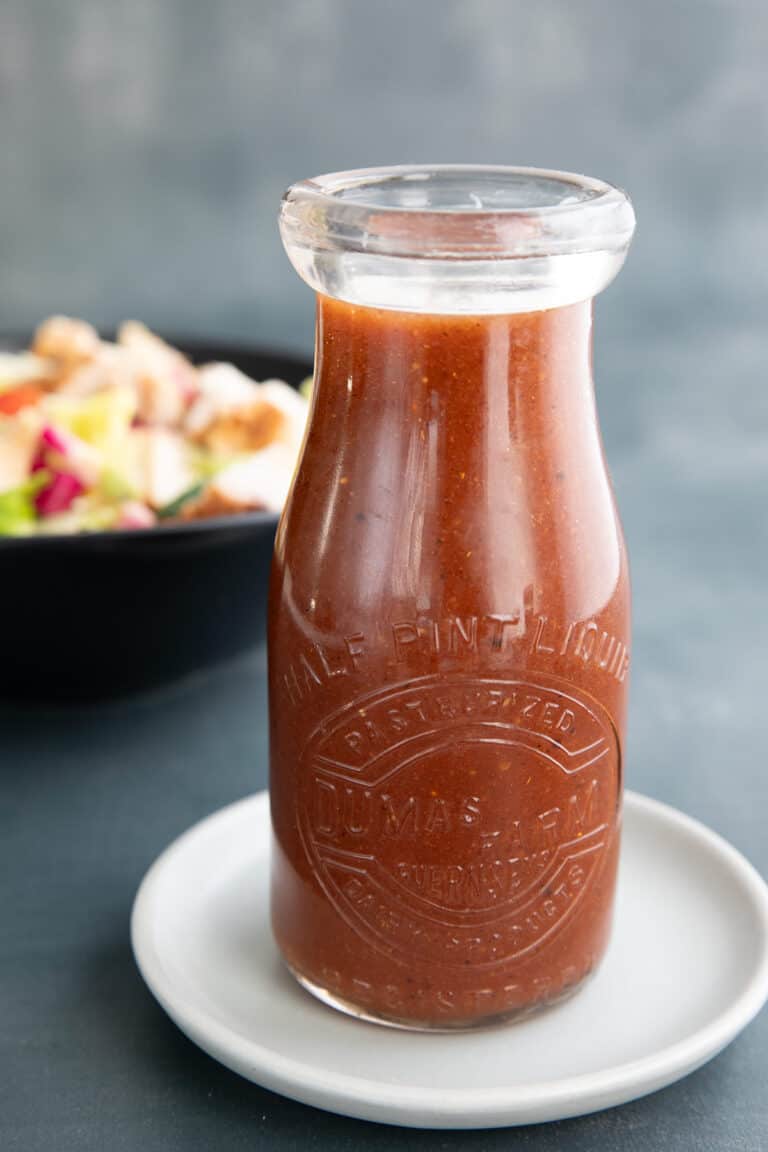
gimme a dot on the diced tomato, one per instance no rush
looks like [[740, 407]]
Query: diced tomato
[[23, 396]]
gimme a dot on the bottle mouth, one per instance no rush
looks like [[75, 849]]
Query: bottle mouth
[[456, 238], [457, 211]]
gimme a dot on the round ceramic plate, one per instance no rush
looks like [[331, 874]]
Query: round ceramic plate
[[686, 971]]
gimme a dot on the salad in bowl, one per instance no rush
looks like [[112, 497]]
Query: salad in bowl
[[98, 435]]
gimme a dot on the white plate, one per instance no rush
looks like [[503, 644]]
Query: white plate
[[686, 971]]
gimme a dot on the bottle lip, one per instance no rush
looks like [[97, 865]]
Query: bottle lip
[[457, 212]]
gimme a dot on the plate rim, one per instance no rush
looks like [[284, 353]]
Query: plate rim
[[358, 1096]]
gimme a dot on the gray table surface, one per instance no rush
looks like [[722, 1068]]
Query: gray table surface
[[90, 796]]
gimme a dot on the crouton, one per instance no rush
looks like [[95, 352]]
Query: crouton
[[67, 341]]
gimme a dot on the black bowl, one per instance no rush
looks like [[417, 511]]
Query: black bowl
[[98, 615]]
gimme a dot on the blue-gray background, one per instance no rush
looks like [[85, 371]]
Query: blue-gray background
[[145, 146]]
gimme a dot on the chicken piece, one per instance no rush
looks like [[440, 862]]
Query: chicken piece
[[165, 381], [69, 342], [294, 407], [234, 414], [213, 503], [18, 368], [159, 469], [261, 480], [111, 368], [222, 389], [244, 429]]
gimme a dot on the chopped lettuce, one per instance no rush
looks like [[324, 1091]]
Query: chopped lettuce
[[101, 419], [115, 486], [87, 514], [17, 506], [207, 464]]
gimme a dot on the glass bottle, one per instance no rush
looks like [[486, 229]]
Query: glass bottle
[[449, 627]]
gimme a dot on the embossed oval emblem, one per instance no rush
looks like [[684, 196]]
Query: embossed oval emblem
[[460, 821]]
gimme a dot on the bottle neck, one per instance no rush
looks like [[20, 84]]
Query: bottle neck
[[506, 379], [463, 456]]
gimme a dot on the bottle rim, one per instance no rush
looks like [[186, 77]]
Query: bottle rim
[[457, 212]]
